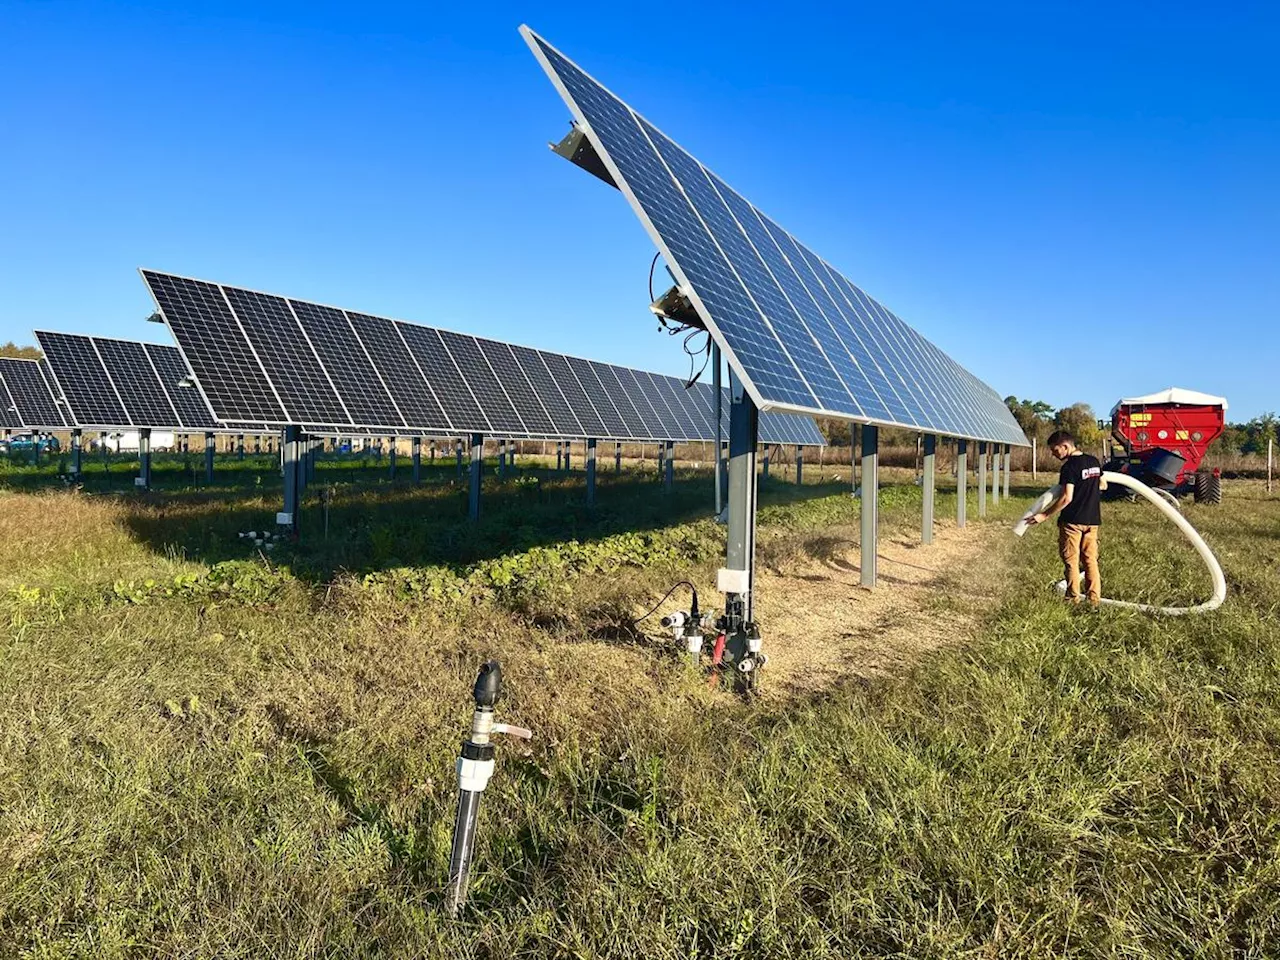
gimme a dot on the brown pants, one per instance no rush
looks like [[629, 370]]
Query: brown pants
[[1076, 542]]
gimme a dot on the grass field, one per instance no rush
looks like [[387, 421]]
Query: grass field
[[210, 751]]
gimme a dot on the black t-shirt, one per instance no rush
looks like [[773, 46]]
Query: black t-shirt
[[1085, 472]]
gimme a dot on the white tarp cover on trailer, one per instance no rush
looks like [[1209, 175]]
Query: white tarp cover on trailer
[[1174, 395]]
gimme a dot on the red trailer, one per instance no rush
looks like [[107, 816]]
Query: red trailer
[[1165, 437]]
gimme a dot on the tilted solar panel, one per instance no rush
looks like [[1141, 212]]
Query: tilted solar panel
[[10, 418], [78, 370], [176, 379], [32, 394], [800, 335], [336, 371]]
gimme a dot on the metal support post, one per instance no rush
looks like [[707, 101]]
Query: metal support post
[[996, 464], [143, 479], [591, 472], [928, 486], [102, 446], [982, 478], [1034, 457], [433, 451], [76, 445], [210, 446], [799, 465], [764, 466], [870, 502], [458, 450], [742, 638], [1270, 449], [568, 449], [1008, 468], [502, 459], [617, 457], [962, 482], [719, 405], [477, 465], [416, 452], [240, 446], [291, 449], [391, 457], [669, 466], [559, 455]]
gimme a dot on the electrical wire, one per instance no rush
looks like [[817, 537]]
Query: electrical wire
[[682, 583]]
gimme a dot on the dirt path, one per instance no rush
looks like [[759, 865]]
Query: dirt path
[[823, 626]]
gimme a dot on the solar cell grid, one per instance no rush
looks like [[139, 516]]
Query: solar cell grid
[[800, 334], [398, 370], [446, 382], [215, 348], [350, 369], [692, 426], [637, 426], [80, 372], [548, 391], [31, 393], [144, 399], [278, 340], [192, 410], [614, 425], [480, 380], [672, 429], [523, 395], [579, 402], [9, 417]]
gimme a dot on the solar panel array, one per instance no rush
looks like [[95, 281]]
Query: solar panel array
[[262, 358], [108, 383], [801, 335], [27, 396]]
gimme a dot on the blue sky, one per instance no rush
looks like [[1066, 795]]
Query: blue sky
[[1076, 201]]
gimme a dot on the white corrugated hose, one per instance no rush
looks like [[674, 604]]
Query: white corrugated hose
[[1188, 531]]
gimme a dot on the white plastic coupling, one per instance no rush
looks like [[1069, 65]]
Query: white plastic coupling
[[693, 643], [139, 482], [284, 519], [474, 775], [753, 644]]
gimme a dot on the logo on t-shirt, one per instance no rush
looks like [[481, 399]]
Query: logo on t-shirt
[[1090, 473]]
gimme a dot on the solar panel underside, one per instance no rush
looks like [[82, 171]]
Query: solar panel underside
[[31, 392], [336, 371], [802, 336]]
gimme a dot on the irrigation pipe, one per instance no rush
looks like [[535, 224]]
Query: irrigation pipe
[[1188, 531]]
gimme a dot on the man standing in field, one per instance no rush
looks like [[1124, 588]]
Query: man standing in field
[[1080, 504]]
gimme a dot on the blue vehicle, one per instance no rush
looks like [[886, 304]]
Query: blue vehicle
[[25, 443]]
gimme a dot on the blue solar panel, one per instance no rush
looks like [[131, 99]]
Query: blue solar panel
[[177, 382], [549, 392], [338, 371], [79, 371], [799, 333], [349, 366], [32, 394]]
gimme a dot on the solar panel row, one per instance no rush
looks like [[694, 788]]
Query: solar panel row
[[801, 335], [262, 358], [107, 383], [28, 396]]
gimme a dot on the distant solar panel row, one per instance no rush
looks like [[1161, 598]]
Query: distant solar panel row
[[801, 335], [27, 396], [261, 358], [108, 383]]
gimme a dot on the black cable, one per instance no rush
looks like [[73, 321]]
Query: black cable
[[682, 583], [653, 266]]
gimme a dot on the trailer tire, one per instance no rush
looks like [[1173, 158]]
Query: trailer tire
[[1208, 488]]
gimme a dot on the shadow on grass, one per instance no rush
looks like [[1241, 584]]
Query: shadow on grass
[[356, 518]]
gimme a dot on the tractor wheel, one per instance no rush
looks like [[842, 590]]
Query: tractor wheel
[[1208, 488]]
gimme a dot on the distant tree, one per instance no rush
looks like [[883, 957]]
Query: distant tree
[[835, 431], [11, 349], [1258, 431], [1080, 420], [1033, 416]]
